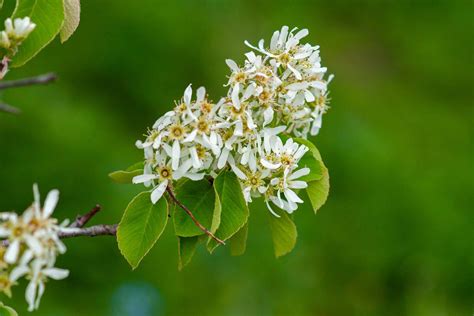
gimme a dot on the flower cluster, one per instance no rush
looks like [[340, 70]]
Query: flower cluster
[[29, 248], [15, 33], [280, 91]]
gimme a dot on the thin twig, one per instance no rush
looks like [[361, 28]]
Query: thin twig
[[76, 228], [93, 231], [204, 229], [9, 109], [82, 220], [41, 79]]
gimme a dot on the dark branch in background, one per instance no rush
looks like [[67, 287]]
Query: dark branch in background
[[41, 79], [204, 229], [38, 80], [9, 109]]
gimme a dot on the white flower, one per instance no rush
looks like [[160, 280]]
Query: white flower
[[19, 28], [39, 273], [280, 89], [33, 246], [285, 185]]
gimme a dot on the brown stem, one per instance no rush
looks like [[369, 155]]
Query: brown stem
[[82, 220], [41, 79], [201, 227]]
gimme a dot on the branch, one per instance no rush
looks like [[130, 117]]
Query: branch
[[204, 229], [82, 220], [93, 231], [9, 109], [41, 79], [76, 228]]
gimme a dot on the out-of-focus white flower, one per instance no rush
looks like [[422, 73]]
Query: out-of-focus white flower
[[33, 245]]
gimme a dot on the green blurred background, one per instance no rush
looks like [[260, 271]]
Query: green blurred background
[[395, 237]]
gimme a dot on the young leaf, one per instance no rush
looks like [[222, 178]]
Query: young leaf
[[283, 232], [141, 226], [238, 242], [72, 16], [121, 176], [199, 198], [6, 310], [48, 15], [126, 176], [186, 249], [234, 210]]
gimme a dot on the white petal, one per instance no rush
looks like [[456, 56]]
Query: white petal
[[56, 273], [232, 64], [295, 72], [39, 294], [30, 295], [18, 272], [144, 178], [235, 96], [223, 158], [157, 193], [50, 203], [238, 172], [298, 185], [291, 196], [194, 156], [37, 197], [11, 255], [187, 94], [200, 94], [194, 176], [268, 116], [308, 96], [269, 165], [190, 137], [176, 154], [302, 33], [299, 173], [34, 244]]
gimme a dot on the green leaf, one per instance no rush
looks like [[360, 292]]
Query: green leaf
[[199, 198], [234, 210], [72, 16], [6, 310], [238, 242], [186, 249], [283, 232], [136, 166], [314, 166], [48, 15], [126, 176], [312, 160], [121, 176], [318, 191], [141, 226]]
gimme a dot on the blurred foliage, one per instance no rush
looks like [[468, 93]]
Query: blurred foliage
[[394, 238]]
